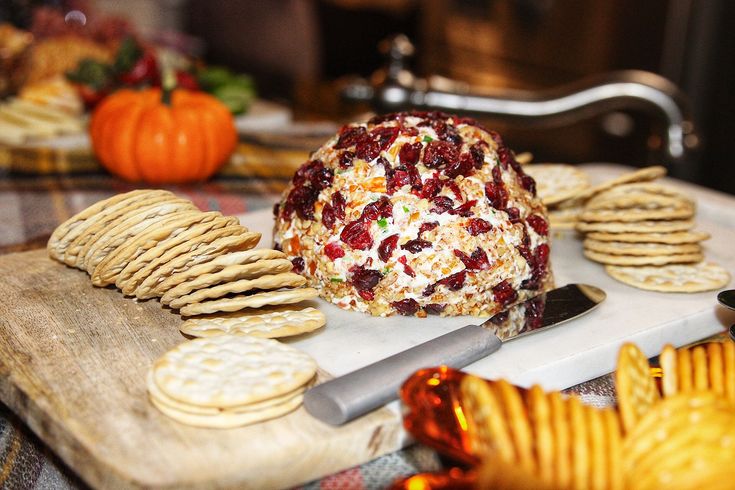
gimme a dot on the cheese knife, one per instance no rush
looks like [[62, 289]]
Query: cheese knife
[[344, 398]]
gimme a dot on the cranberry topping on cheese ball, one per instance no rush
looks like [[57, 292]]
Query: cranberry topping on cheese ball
[[416, 213]]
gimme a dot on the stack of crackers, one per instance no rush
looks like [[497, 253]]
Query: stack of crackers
[[153, 244], [642, 231], [679, 436], [561, 188], [230, 380]]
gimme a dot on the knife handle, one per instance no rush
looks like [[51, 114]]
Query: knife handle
[[344, 398]]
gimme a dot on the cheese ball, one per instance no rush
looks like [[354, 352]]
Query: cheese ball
[[416, 213]]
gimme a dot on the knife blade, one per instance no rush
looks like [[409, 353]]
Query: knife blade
[[344, 398]]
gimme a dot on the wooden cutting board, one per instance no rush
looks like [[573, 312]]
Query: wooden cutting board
[[74, 358]]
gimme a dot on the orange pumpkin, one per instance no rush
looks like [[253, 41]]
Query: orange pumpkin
[[138, 137]]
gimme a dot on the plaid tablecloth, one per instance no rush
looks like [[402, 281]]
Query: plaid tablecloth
[[32, 206]]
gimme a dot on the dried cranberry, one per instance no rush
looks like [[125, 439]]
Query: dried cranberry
[[442, 204], [454, 281], [496, 194], [328, 217], [298, 265], [434, 308], [301, 199], [499, 318], [356, 234], [477, 261], [339, 204], [395, 179], [504, 293], [427, 226], [275, 209], [349, 136], [463, 166], [439, 154], [382, 208], [465, 209], [455, 190], [430, 188], [387, 246], [538, 224], [429, 290], [365, 279], [406, 268], [415, 246], [345, 159], [369, 147], [539, 263], [504, 155], [410, 153], [535, 313], [392, 116], [514, 214], [529, 184], [477, 226], [477, 152], [334, 251], [407, 307], [366, 295], [447, 132]]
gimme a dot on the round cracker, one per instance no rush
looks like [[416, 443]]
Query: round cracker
[[673, 278], [642, 259], [173, 246], [614, 439], [624, 202], [728, 366], [637, 214], [684, 372], [634, 385], [227, 274], [127, 229], [701, 371], [646, 249], [520, 427], [539, 410], [70, 229], [107, 271], [228, 420], [155, 392], [669, 371], [674, 238], [557, 182], [262, 283], [562, 440], [111, 216], [231, 370], [663, 226], [715, 368], [487, 427], [196, 251], [268, 323], [216, 264], [257, 300], [641, 175], [597, 448], [579, 443]]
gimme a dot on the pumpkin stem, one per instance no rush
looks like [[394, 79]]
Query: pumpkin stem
[[168, 84]]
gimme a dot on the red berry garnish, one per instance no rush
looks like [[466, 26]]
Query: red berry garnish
[[538, 224], [365, 279], [410, 153], [454, 281], [477, 261], [407, 307], [442, 204], [415, 246], [382, 208], [349, 136], [462, 166], [465, 209], [504, 293], [298, 265], [328, 216], [334, 251], [356, 234], [406, 268], [477, 226], [439, 154], [387, 246], [434, 308], [427, 226]]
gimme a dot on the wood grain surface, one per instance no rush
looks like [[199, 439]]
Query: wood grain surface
[[73, 360]]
